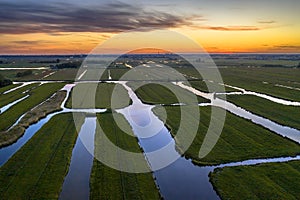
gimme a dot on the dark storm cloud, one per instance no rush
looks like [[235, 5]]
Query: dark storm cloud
[[21, 18]]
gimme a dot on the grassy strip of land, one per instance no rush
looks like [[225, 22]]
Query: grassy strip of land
[[93, 73], [38, 169], [258, 79], [89, 97], [263, 80], [263, 181], [108, 183], [116, 73], [248, 61], [282, 114], [240, 138], [16, 94], [31, 117], [25, 75], [63, 75], [37, 96], [8, 87], [68, 74], [154, 93], [201, 85]]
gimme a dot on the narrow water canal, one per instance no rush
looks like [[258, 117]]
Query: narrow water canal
[[181, 179], [9, 151], [76, 183], [284, 131]]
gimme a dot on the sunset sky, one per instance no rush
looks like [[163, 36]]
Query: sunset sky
[[219, 26]]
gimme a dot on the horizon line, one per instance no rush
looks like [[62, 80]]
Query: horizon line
[[215, 53]]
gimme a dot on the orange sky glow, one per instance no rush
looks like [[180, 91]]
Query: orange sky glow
[[234, 27]]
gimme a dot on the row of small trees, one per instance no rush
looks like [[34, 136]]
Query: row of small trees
[[66, 65], [24, 73]]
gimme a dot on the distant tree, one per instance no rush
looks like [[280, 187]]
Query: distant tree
[[25, 73], [66, 65], [298, 65], [57, 60]]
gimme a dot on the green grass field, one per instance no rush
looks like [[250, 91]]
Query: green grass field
[[258, 79], [263, 181], [37, 96], [38, 169], [253, 78], [240, 139], [93, 74], [154, 93], [253, 62], [37, 74], [94, 95], [284, 115], [6, 88], [63, 74], [33, 116], [22, 63], [113, 184], [16, 94], [70, 74], [116, 74], [201, 85]]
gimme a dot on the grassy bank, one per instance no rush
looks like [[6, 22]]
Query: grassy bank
[[108, 183], [240, 139], [38, 169], [94, 95], [37, 96], [285, 115], [264, 181], [31, 117], [154, 93]]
